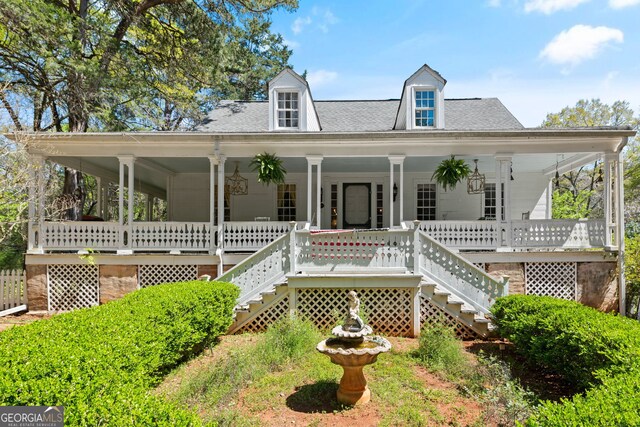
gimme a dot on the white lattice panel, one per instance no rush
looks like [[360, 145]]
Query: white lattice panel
[[431, 314], [270, 315], [72, 286], [555, 279], [387, 310], [155, 274]]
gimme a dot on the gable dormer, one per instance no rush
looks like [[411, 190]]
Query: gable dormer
[[291, 106], [422, 103]]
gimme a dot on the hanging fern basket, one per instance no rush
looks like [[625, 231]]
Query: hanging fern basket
[[269, 168], [450, 172]]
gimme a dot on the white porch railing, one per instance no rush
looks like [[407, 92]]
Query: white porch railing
[[252, 235], [457, 275], [354, 250], [76, 235], [13, 291], [463, 234], [567, 234], [166, 236], [261, 270]]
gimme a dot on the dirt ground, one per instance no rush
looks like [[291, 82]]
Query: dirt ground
[[18, 319]]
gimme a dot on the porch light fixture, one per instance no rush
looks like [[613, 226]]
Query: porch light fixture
[[475, 182], [236, 183], [395, 191]]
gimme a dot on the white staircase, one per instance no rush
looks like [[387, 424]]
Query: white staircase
[[406, 278]]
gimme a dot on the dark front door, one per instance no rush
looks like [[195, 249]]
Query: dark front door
[[356, 202]]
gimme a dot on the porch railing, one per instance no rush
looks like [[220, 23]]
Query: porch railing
[[463, 234], [251, 236], [354, 250]]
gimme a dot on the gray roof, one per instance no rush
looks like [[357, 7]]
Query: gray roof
[[361, 116]]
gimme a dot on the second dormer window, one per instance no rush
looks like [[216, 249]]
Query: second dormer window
[[288, 110], [425, 108]]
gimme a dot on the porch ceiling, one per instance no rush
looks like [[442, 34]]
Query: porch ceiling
[[152, 172]]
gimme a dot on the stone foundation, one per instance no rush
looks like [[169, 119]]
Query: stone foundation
[[37, 296], [211, 270], [515, 271], [598, 285], [116, 281]]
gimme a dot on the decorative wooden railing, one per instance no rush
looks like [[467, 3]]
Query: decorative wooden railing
[[252, 235], [167, 236], [577, 234], [463, 234], [13, 291], [456, 274], [261, 270], [80, 235], [353, 250]]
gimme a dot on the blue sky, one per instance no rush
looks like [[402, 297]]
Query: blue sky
[[537, 56]]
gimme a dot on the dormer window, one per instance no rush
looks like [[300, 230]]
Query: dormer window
[[288, 110], [425, 108]]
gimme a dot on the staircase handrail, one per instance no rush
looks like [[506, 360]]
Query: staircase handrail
[[457, 275], [261, 270]]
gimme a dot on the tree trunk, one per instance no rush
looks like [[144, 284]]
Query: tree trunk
[[74, 190]]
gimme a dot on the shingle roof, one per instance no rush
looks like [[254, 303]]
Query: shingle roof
[[361, 116]]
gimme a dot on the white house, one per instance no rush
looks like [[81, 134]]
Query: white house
[[358, 209]]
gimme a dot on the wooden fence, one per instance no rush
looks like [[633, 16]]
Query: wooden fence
[[13, 291]]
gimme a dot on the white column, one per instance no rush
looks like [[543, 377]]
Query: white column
[[127, 161], [213, 161], [35, 204], [41, 199], [608, 161], [506, 197], [221, 161], [499, 201], [99, 197], [396, 160], [619, 208], [311, 162]]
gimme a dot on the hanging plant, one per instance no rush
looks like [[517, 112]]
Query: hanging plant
[[450, 172], [269, 168]]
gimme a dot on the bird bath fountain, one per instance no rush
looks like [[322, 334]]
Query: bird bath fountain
[[353, 348]]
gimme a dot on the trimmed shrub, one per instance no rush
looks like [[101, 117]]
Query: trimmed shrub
[[588, 348], [579, 342], [100, 363]]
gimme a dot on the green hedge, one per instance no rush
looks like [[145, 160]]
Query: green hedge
[[101, 363], [588, 347]]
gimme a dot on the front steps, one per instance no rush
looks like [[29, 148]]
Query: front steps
[[397, 303]]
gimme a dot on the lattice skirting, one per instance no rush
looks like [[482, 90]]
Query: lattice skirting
[[270, 315], [154, 274], [387, 310], [556, 279], [431, 314], [72, 286]]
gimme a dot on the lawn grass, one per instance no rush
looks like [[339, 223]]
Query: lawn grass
[[278, 378]]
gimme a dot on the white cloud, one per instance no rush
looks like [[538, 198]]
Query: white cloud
[[579, 43], [619, 4], [321, 77], [291, 44], [299, 24], [550, 6], [494, 3]]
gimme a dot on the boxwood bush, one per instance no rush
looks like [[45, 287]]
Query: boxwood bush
[[589, 348], [101, 363]]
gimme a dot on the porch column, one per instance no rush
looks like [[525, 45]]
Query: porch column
[[221, 162], [127, 161], [609, 221], [503, 198], [99, 197], [396, 160], [213, 161], [311, 162], [35, 204], [619, 208]]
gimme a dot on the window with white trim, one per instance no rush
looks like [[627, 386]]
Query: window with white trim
[[491, 201], [425, 108], [286, 202], [288, 110], [426, 202]]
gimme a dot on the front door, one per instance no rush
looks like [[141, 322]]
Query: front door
[[356, 200]]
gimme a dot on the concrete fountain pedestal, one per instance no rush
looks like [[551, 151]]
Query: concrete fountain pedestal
[[353, 349]]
